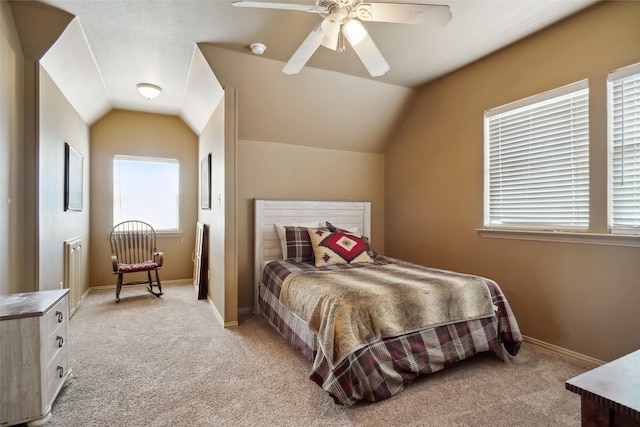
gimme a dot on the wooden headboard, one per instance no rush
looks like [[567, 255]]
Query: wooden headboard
[[344, 214]]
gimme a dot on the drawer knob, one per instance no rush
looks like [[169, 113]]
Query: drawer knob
[[59, 316], [60, 341], [60, 371]]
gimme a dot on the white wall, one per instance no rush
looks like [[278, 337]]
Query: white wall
[[59, 123]]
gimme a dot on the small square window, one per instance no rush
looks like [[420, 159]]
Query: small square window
[[147, 189]]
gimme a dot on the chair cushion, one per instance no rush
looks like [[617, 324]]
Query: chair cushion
[[141, 266]]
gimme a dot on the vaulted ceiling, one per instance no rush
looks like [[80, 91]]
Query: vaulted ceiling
[[193, 48]]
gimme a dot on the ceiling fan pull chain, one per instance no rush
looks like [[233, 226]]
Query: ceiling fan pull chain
[[341, 45]]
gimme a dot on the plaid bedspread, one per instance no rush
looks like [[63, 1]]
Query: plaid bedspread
[[380, 369]]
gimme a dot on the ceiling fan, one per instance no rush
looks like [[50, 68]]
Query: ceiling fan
[[342, 20]]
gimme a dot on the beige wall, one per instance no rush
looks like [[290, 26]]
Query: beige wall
[[222, 286], [142, 134], [59, 123], [582, 297], [268, 170], [33, 224], [50, 23], [315, 108], [11, 156]]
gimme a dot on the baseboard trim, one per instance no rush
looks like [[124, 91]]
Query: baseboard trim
[[216, 313], [141, 285], [82, 298], [245, 310], [219, 317], [561, 351]]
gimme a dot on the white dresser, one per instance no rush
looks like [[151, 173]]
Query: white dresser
[[33, 355]]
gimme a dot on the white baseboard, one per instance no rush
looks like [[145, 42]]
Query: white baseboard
[[141, 285], [82, 298], [567, 354], [219, 316]]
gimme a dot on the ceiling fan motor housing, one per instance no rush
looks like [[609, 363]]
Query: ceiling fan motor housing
[[343, 7], [328, 3]]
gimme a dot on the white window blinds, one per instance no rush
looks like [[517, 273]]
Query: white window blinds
[[147, 189], [537, 161], [624, 140]]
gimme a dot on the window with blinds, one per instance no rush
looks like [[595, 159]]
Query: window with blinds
[[537, 161], [624, 143], [147, 189]]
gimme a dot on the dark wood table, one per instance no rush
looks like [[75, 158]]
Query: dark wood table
[[610, 394]]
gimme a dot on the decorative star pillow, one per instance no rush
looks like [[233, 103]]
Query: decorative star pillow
[[354, 230], [338, 247]]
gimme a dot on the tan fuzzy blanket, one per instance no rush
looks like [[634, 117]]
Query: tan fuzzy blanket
[[350, 308]]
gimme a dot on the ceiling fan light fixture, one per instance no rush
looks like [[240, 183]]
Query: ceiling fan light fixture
[[149, 90], [330, 27], [331, 42], [354, 31]]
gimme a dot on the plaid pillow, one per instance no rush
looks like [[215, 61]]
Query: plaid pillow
[[298, 244], [338, 248], [282, 233]]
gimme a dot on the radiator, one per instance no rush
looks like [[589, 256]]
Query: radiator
[[72, 279]]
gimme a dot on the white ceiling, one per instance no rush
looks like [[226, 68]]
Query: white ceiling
[[133, 41]]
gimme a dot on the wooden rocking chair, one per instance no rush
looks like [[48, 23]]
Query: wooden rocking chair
[[133, 250]]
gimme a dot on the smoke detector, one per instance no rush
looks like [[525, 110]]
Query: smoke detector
[[258, 48]]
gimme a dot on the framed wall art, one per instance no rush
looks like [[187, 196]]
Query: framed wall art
[[72, 179]]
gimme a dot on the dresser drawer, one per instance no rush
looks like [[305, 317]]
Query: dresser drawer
[[55, 317], [56, 372], [55, 342]]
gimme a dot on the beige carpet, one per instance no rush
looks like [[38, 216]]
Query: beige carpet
[[166, 361]]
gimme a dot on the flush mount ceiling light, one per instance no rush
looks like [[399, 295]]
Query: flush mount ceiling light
[[148, 90], [257, 48]]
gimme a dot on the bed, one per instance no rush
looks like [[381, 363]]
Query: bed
[[368, 324]]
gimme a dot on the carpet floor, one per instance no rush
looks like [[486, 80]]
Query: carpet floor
[[150, 361]]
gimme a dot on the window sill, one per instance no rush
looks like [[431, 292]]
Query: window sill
[[564, 237]]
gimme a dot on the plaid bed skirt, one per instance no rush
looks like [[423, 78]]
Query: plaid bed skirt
[[381, 369]]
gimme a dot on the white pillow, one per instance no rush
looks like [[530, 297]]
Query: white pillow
[[282, 233]]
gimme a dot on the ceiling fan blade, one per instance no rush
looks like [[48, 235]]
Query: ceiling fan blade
[[285, 6], [404, 13], [365, 48], [305, 51]]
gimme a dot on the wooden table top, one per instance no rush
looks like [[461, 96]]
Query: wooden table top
[[616, 384]]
